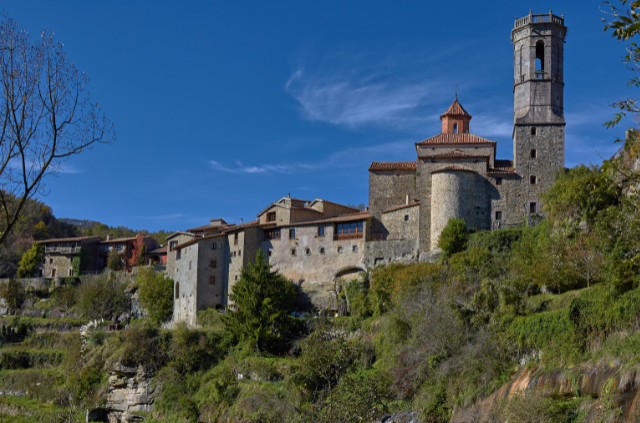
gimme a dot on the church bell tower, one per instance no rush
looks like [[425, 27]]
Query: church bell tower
[[538, 132]]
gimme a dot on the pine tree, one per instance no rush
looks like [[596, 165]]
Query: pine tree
[[261, 303], [143, 251]]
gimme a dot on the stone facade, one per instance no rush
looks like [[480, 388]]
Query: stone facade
[[59, 255]]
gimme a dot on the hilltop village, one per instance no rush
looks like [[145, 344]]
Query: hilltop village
[[317, 243]]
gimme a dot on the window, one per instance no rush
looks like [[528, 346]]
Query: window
[[540, 58], [339, 250], [233, 254], [178, 254], [320, 230], [498, 215], [533, 154], [53, 272], [189, 265], [532, 207], [322, 250], [406, 217], [293, 252], [214, 246], [213, 264], [269, 253], [272, 234], [533, 131], [355, 228], [292, 233], [307, 251], [455, 128], [235, 239], [173, 245], [235, 278], [354, 248], [498, 181], [271, 217], [70, 272], [239, 252], [50, 261], [212, 280], [532, 180], [177, 290]]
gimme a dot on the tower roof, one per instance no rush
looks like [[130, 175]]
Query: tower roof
[[455, 109]]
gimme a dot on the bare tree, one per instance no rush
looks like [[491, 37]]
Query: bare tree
[[585, 259], [46, 116]]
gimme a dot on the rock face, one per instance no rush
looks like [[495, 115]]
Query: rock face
[[130, 390], [615, 393]]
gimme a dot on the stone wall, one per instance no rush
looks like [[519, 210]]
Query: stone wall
[[388, 189], [402, 223], [185, 285], [391, 251], [60, 262], [210, 292], [451, 198]]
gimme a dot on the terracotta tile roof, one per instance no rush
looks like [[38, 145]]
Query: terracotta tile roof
[[453, 168], [351, 217], [466, 138], [392, 166], [196, 240], [404, 206], [219, 227], [332, 202], [161, 250], [78, 238], [456, 154], [503, 167], [455, 110]]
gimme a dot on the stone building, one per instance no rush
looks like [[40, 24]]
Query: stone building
[[456, 174], [59, 254], [129, 248]]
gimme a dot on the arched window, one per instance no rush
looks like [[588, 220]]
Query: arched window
[[540, 58], [177, 290], [455, 128]]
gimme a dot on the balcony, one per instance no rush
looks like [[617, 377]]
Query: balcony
[[540, 75], [62, 250], [348, 236], [535, 19]]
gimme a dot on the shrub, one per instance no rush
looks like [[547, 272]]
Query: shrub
[[65, 297], [13, 294], [262, 301], [495, 241], [102, 297], [115, 261], [454, 237], [31, 261], [145, 344], [156, 294]]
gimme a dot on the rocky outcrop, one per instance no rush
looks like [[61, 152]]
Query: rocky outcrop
[[615, 392], [130, 389]]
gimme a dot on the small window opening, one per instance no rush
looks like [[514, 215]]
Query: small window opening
[[189, 265], [213, 264], [214, 246], [320, 230], [269, 253], [540, 57], [532, 207], [532, 180], [70, 271], [321, 250], [235, 278], [533, 154], [177, 290], [239, 252], [498, 215], [455, 128], [339, 250], [293, 252], [498, 181], [307, 251], [292, 233], [533, 131], [235, 239], [212, 280], [354, 248], [271, 217], [406, 217]]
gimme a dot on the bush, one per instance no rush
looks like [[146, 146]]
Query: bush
[[156, 294], [13, 294], [454, 237], [262, 301], [102, 297], [145, 344], [499, 241], [115, 261], [31, 261]]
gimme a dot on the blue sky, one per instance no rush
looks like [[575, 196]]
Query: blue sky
[[221, 108]]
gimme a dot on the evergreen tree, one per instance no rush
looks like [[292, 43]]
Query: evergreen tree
[[261, 303], [143, 252]]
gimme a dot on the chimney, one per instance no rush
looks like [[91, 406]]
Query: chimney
[[241, 221], [289, 195], [108, 237], [407, 202]]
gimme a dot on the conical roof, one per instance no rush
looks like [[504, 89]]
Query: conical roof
[[455, 109]]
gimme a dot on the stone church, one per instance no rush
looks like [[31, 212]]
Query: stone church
[[456, 173]]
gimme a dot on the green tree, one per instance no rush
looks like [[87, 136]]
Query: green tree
[[156, 294], [261, 302], [143, 251], [80, 262], [115, 260], [102, 297], [454, 237], [31, 261], [13, 294], [40, 230]]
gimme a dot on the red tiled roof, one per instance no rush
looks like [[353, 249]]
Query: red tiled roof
[[453, 168], [196, 240], [455, 110], [417, 203], [502, 166], [78, 238], [392, 166], [456, 154], [343, 218], [202, 228], [465, 138], [161, 250]]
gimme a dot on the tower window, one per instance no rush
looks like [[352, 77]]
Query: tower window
[[406, 217], [498, 181], [532, 180], [177, 290], [321, 250], [293, 252], [540, 59], [307, 251], [213, 264], [269, 253], [533, 154], [532, 207], [455, 128], [533, 131], [498, 215], [212, 280]]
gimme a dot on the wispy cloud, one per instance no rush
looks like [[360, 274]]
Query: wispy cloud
[[241, 168]]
